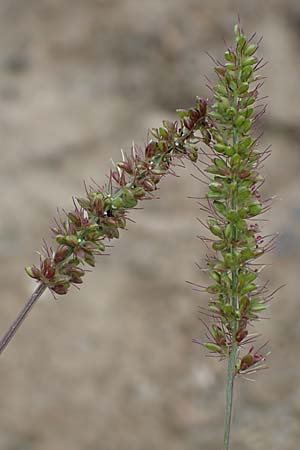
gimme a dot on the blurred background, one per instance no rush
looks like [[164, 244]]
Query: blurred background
[[112, 366]]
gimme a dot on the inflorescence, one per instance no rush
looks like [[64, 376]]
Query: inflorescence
[[232, 204], [81, 234], [226, 126]]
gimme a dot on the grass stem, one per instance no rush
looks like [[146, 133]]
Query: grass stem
[[21, 317]]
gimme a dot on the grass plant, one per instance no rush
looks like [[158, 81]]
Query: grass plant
[[219, 136]]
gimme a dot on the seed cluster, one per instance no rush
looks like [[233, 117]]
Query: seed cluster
[[233, 202], [82, 233]]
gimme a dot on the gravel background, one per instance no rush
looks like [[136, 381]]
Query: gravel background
[[112, 367]]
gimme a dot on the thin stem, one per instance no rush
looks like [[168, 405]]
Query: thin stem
[[229, 396], [231, 368], [21, 317]]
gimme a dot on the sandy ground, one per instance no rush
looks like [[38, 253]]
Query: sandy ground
[[112, 367]]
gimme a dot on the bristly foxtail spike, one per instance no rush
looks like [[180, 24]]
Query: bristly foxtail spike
[[234, 199], [105, 208]]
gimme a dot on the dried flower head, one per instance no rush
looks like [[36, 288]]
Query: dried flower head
[[82, 234]]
